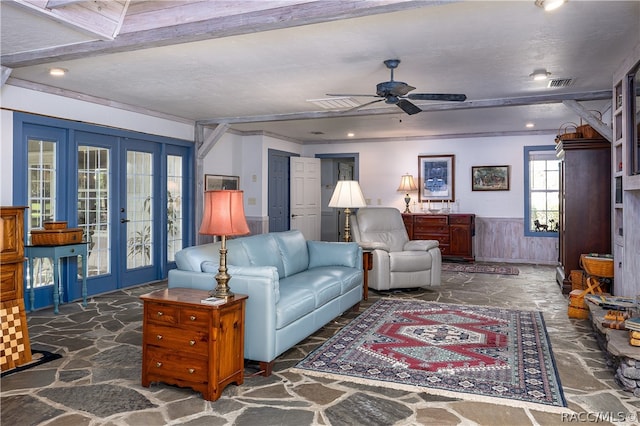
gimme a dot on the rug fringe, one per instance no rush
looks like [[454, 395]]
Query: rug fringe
[[437, 392]]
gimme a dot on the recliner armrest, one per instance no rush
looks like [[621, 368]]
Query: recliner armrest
[[421, 245], [372, 245]]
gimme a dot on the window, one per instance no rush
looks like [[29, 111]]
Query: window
[[174, 206], [542, 191]]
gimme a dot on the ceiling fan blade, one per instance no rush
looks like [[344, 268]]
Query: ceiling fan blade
[[363, 105], [351, 95], [437, 97], [408, 107], [400, 89]]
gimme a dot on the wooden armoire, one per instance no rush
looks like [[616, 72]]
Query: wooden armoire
[[15, 348], [585, 203]]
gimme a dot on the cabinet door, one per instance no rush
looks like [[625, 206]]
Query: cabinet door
[[460, 240], [230, 341]]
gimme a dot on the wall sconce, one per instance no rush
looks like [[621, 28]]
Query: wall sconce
[[223, 216], [347, 195], [407, 184]]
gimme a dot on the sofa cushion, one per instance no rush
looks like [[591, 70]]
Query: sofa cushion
[[324, 287], [192, 258], [261, 250], [295, 302], [323, 253], [349, 278], [293, 249]]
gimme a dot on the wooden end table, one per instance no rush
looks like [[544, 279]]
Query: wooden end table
[[192, 344], [367, 265]]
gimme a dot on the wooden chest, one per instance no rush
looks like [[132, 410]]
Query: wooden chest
[[191, 344]]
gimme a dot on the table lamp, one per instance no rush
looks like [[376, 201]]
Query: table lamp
[[223, 216], [407, 184], [347, 195]]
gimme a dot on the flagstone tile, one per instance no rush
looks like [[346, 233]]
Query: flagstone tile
[[491, 414], [318, 393], [436, 416], [366, 409]]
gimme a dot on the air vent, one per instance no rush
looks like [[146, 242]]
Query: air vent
[[335, 103], [555, 83]]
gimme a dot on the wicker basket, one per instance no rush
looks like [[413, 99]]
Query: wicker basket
[[578, 280], [597, 266], [577, 306], [564, 132], [56, 237], [55, 225]]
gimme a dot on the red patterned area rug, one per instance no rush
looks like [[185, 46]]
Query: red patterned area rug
[[469, 352], [481, 268]]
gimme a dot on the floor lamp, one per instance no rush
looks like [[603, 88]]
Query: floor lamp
[[407, 184], [347, 195], [223, 216]]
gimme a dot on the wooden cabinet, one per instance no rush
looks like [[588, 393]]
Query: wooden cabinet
[[454, 232], [585, 203], [15, 348], [191, 344]]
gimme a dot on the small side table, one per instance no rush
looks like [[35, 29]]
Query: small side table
[[192, 344], [55, 253], [367, 265]]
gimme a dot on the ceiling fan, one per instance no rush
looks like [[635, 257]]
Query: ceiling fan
[[397, 92]]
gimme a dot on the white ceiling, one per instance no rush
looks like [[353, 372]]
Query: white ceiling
[[257, 67]]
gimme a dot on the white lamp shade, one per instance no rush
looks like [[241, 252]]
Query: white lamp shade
[[407, 184], [347, 195]]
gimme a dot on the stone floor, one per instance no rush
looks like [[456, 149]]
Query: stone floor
[[97, 381]]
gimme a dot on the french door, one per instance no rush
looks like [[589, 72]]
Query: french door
[[128, 195]]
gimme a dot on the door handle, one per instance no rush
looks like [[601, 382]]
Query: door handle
[[124, 220]]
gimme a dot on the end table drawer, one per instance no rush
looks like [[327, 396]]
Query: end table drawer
[[194, 318], [431, 220], [176, 339], [158, 313], [164, 363]]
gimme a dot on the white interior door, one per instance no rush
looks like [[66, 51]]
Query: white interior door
[[305, 196]]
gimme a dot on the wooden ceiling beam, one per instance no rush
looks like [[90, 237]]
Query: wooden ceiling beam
[[299, 14], [449, 106]]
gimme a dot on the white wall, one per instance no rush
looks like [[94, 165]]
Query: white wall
[[383, 163], [31, 101]]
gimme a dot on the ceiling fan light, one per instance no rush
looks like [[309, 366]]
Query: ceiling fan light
[[540, 74]]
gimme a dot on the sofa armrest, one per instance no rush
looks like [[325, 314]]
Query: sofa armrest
[[191, 279], [262, 285], [371, 245], [421, 245]]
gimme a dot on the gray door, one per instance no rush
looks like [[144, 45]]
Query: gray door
[[278, 191]]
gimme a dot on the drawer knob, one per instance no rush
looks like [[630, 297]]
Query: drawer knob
[[192, 370], [158, 364], [159, 336], [192, 342], [160, 313], [192, 317]]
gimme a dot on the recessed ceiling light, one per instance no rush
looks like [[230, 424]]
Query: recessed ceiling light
[[540, 74], [351, 134], [549, 5], [529, 125], [57, 72]]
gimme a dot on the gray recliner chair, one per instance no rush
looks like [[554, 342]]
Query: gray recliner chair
[[397, 261]]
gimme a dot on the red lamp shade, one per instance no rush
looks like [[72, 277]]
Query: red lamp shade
[[224, 213]]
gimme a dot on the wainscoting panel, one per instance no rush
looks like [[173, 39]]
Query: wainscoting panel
[[258, 224], [503, 240]]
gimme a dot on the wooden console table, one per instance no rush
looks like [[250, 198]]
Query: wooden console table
[[454, 232], [55, 253]]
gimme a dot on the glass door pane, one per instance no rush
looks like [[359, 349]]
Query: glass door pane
[[94, 206], [140, 203], [175, 182]]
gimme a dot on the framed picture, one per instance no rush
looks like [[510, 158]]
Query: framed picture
[[436, 177], [490, 178], [212, 182]]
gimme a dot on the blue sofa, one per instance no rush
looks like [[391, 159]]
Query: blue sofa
[[294, 286]]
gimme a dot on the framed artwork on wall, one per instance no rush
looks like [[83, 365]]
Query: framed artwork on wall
[[213, 182], [436, 177], [490, 178]]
